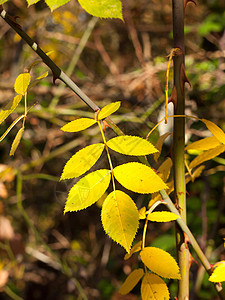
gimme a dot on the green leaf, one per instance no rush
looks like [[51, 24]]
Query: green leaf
[[162, 216], [215, 130], [153, 287], [218, 274], [82, 161], [78, 125], [120, 218], [131, 145], [108, 110], [207, 155], [204, 144], [160, 262], [88, 190], [53, 4], [103, 8], [131, 281], [16, 141], [138, 178], [22, 83], [6, 111]]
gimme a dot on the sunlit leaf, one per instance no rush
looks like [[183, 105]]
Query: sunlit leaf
[[16, 141], [131, 145], [53, 4], [88, 190], [207, 155], [108, 110], [134, 249], [22, 83], [160, 262], [120, 218], [159, 145], [78, 125], [218, 274], [138, 178], [3, 1], [131, 281], [9, 108], [215, 130], [153, 287], [204, 144], [162, 216], [103, 8], [82, 161]]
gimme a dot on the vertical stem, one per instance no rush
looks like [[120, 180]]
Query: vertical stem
[[179, 144]]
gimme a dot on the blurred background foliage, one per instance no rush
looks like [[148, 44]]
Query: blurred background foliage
[[48, 255]]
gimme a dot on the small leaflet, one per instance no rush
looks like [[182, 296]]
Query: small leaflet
[[120, 218], [103, 8], [218, 274], [215, 130], [138, 178], [108, 110], [16, 141], [78, 125], [160, 262], [204, 144], [88, 190], [9, 108], [153, 287], [82, 161], [165, 169], [22, 83], [131, 281], [131, 145], [134, 249], [159, 145], [142, 213], [162, 216]]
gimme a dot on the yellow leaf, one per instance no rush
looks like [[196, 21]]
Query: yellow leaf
[[159, 145], [218, 274], [131, 145], [16, 141], [142, 213], [6, 111], [204, 144], [82, 161], [21, 83], [215, 130], [78, 125], [88, 190], [153, 287], [162, 216], [138, 178], [108, 110], [134, 249], [120, 218], [160, 262], [131, 281], [42, 76], [207, 155], [165, 168]]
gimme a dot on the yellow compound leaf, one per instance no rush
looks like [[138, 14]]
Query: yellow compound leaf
[[218, 274], [6, 111], [21, 83], [159, 145], [82, 161], [153, 287], [215, 130], [120, 218], [133, 250], [88, 190], [108, 110], [138, 178], [204, 144], [207, 155], [160, 262], [131, 145], [78, 125], [131, 281], [162, 216], [16, 141]]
